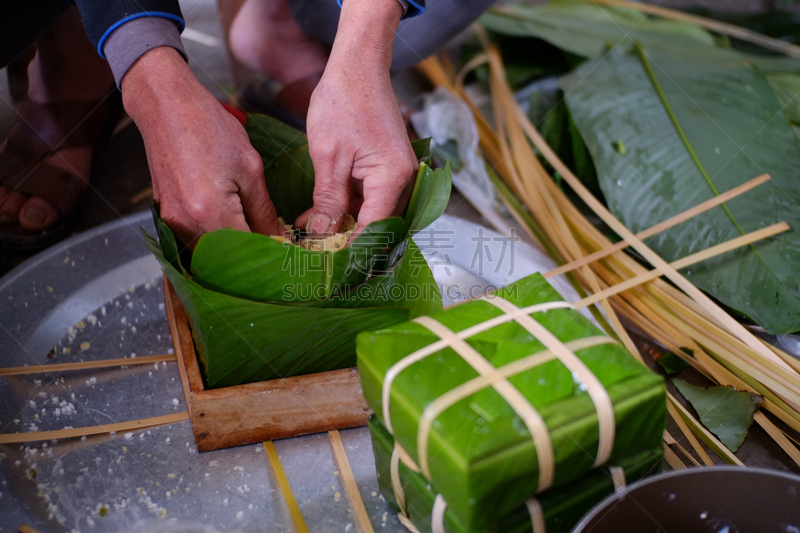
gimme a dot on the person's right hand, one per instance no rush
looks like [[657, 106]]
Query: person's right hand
[[363, 159], [206, 175]]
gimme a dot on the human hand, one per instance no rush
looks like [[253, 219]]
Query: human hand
[[205, 173], [363, 160]]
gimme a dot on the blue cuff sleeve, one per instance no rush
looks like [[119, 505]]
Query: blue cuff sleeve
[[415, 7], [101, 18], [131, 40]]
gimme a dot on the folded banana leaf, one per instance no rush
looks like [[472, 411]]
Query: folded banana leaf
[[562, 507], [261, 309], [481, 456]]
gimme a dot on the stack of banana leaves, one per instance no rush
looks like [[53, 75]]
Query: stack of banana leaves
[[262, 307], [607, 118]]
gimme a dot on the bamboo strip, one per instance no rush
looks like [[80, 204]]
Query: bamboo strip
[[657, 261], [13, 438], [672, 459], [788, 359], [712, 25], [527, 160], [780, 389], [472, 64], [658, 228], [689, 435], [778, 436], [707, 437], [687, 455], [85, 365], [357, 504], [689, 260], [741, 381], [669, 440], [286, 489], [791, 437], [790, 378]]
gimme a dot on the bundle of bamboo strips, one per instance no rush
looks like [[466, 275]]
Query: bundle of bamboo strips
[[676, 316]]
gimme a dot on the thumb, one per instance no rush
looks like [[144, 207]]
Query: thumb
[[331, 197]]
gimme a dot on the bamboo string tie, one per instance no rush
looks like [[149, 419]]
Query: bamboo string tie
[[617, 477], [422, 353], [537, 515], [407, 523], [397, 485], [437, 516], [532, 504], [597, 392], [530, 417]]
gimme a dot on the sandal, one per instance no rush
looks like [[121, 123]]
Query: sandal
[[39, 132]]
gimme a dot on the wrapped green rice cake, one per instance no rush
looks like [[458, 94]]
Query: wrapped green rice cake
[[506, 396], [554, 511]]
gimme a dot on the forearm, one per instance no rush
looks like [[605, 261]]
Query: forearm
[[366, 32], [158, 80]]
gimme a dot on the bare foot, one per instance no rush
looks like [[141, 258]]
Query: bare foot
[[66, 69], [265, 37]]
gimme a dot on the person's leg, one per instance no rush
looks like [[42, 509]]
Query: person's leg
[[423, 35], [289, 40], [65, 74], [265, 37], [417, 37]]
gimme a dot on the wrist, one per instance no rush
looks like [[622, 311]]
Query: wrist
[[159, 75], [367, 28]]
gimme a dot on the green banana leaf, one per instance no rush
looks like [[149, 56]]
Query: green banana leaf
[[726, 412], [672, 363], [696, 124], [260, 268], [588, 29], [271, 138], [241, 341], [773, 23], [260, 309], [787, 88], [562, 508], [482, 458]]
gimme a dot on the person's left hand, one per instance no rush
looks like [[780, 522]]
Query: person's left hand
[[363, 160]]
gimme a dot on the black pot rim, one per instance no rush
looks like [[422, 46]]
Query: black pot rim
[[689, 472]]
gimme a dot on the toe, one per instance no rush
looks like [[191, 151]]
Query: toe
[[10, 204], [37, 215]]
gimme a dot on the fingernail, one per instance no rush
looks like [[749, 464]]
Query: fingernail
[[320, 224], [34, 215]]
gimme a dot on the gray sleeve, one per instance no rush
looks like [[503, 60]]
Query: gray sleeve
[[132, 39]]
